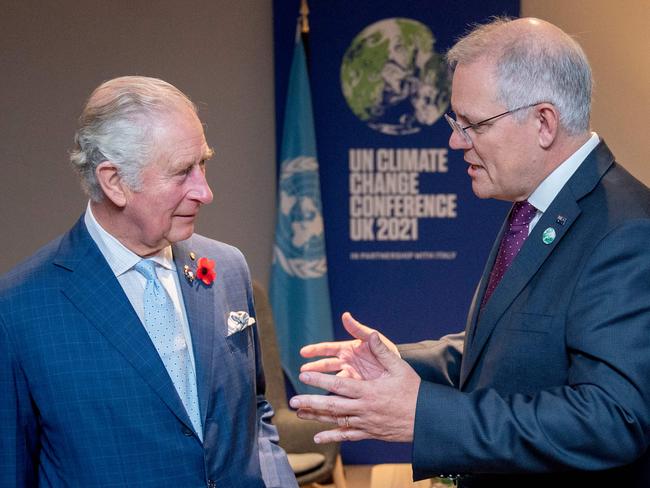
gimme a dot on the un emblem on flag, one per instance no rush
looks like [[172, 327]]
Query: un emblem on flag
[[300, 242]]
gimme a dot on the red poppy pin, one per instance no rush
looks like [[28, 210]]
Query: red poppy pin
[[204, 271]]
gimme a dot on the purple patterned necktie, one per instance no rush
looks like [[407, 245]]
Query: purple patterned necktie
[[513, 238]]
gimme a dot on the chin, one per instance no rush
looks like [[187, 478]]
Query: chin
[[181, 234], [480, 193]]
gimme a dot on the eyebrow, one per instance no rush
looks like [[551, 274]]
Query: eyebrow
[[470, 119], [182, 165], [460, 115], [456, 113]]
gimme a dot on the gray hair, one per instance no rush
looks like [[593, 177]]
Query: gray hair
[[532, 68], [117, 124]]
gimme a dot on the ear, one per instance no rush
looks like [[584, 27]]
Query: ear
[[111, 182], [549, 124]]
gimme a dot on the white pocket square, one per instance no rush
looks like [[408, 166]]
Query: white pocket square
[[239, 321]]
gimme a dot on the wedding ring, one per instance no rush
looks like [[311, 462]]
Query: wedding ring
[[347, 422]]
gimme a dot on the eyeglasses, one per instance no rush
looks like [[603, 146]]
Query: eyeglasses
[[463, 130]]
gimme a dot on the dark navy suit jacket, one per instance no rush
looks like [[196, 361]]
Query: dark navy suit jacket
[[86, 401], [549, 385]]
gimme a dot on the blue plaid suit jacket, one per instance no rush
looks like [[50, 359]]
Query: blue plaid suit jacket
[[85, 399]]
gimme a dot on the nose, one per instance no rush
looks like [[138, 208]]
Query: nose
[[200, 190], [458, 141]]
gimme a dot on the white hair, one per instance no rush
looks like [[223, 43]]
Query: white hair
[[117, 124], [532, 68]]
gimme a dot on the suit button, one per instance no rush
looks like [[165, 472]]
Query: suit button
[[187, 432]]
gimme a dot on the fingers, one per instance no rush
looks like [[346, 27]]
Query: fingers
[[346, 430], [339, 385], [308, 414], [340, 435], [328, 365], [323, 349], [331, 365], [363, 332], [342, 421], [356, 328], [329, 410]]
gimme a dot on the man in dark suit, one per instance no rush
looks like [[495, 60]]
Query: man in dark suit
[[549, 384], [128, 350]]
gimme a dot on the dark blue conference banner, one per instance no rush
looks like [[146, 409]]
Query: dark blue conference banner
[[406, 238]]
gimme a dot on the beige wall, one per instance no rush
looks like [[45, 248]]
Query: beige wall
[[616, 38], [52, 54]]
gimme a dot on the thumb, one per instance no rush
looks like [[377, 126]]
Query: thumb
[[387, 358]]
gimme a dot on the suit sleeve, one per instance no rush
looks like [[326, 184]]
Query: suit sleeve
[[599, 420], [436, 361], [273, 460], [19, 442], [276, 471]]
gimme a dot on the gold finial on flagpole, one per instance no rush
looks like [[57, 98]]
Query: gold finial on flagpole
[[304, 17]]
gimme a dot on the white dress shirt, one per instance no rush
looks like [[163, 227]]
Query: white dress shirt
[[122, 261]]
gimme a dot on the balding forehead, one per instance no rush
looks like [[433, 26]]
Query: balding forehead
[[543, 32]]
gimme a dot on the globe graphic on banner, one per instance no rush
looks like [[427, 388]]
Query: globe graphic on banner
[[393, 79]]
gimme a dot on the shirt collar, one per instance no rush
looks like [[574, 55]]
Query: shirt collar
[[119, 257], [548, 189]]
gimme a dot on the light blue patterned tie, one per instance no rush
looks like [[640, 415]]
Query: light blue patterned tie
[[166, 333]]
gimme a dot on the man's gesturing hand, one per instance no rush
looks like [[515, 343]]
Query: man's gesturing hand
[[350, 359], [382, 407]]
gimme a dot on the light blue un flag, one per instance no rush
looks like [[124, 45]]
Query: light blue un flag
[[299, 290]]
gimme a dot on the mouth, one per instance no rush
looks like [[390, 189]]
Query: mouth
[[472, 169]]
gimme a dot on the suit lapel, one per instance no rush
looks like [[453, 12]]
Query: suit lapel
[[201, 308], [94, 290], [534, 252], [475, 306]]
